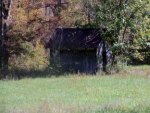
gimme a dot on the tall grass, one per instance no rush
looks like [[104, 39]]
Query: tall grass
[[127, 92]]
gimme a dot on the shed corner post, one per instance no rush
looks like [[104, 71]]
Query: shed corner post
[[104, 56]]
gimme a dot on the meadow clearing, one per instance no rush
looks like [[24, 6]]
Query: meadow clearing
[[125, 92]]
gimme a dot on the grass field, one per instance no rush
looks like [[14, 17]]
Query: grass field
[[126, 92]]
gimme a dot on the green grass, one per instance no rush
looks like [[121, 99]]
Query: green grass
[[78, 94]]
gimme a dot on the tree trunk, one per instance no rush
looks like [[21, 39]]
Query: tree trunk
[[4, 55], [1, 34]]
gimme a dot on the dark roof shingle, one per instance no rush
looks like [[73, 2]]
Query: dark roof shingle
[[75, 39]]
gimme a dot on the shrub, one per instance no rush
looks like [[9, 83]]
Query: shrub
[[33, 59]]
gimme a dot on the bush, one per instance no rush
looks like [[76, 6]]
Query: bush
[[34, 58]]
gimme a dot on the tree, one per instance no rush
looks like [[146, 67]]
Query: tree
[[29, 22], [4, 21], [122, 22], [78, 13]]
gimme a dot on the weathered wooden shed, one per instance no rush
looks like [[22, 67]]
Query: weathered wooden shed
[[75, 50]]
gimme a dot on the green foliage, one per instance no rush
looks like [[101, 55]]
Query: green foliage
[[124, 26]]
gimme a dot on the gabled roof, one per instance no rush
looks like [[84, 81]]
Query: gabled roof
[[75, 39]]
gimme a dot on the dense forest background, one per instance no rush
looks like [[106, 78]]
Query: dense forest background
[[125, 26]]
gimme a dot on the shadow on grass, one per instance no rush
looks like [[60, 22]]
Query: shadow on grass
[[23, 73]]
